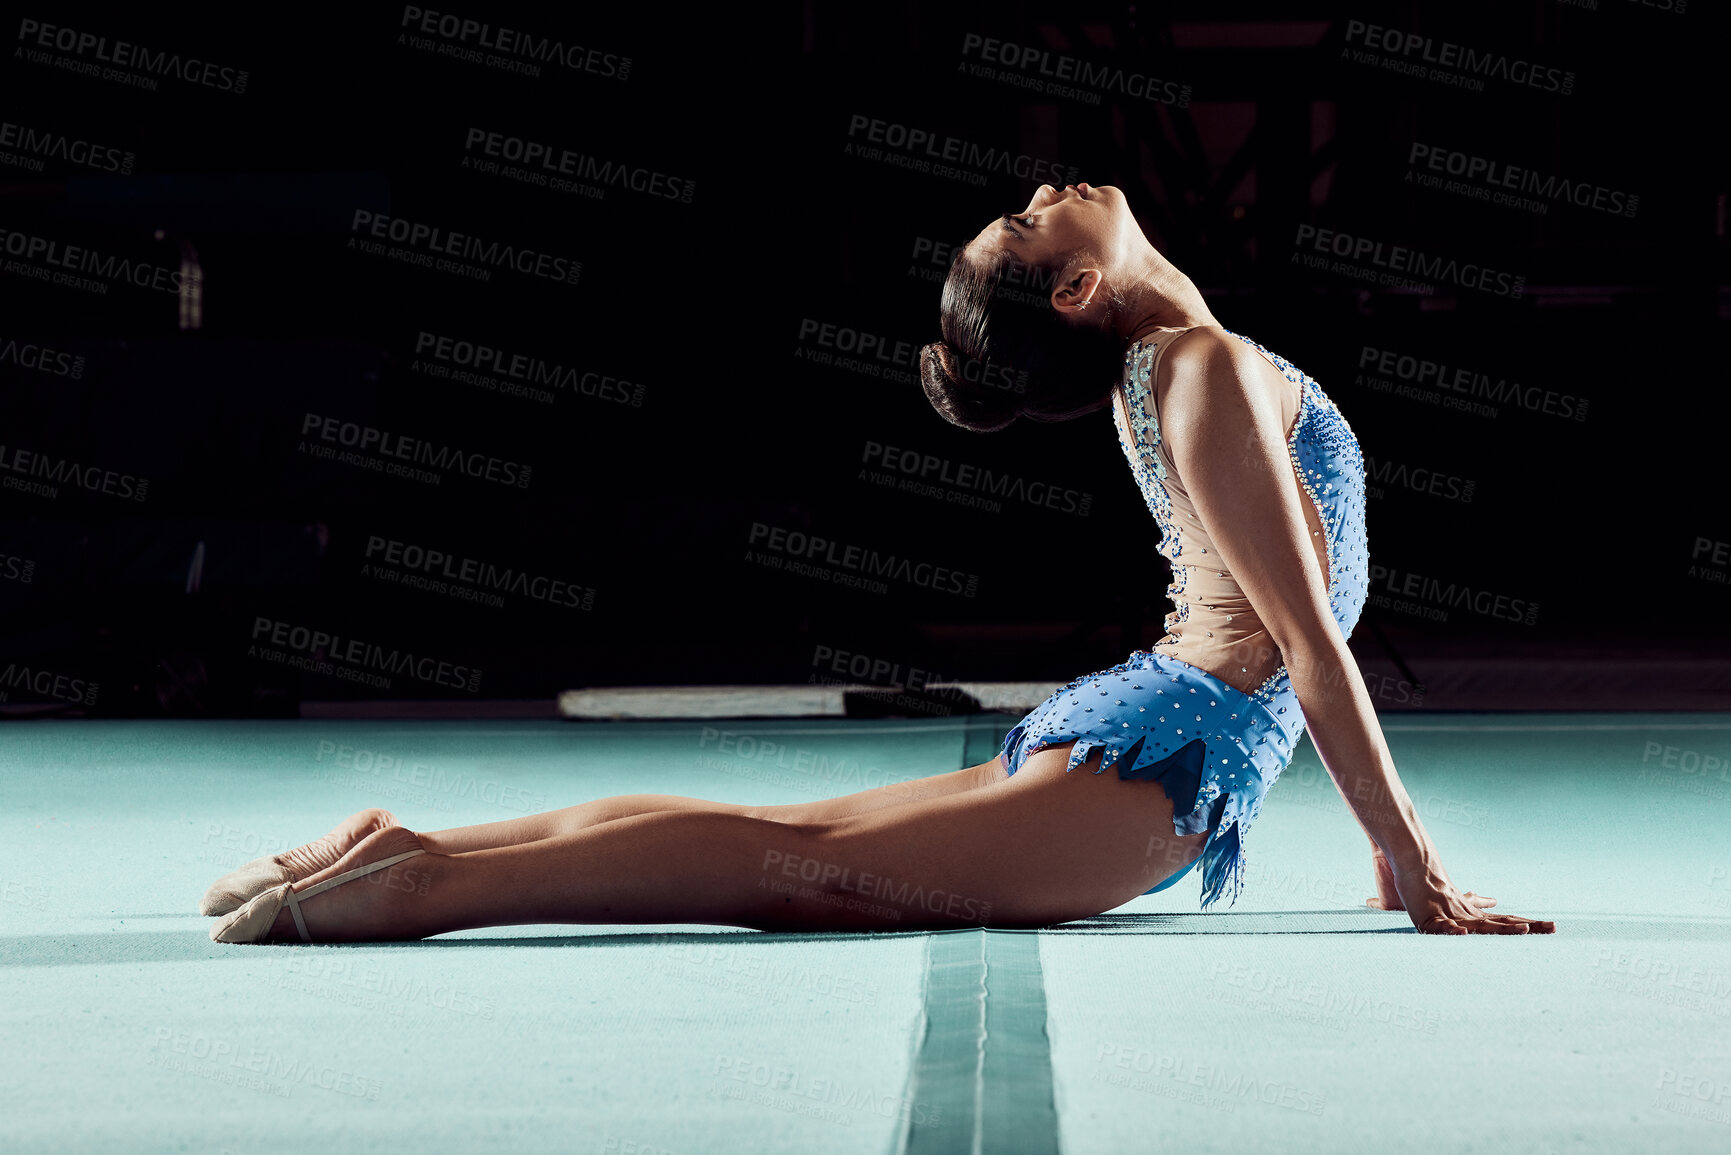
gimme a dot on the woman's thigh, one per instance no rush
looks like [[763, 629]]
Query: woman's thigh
[[1041, 847], [880, 797], [571, 819], [819, 810]]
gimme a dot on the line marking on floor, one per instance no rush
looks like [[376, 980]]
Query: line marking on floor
[[982, 1078]]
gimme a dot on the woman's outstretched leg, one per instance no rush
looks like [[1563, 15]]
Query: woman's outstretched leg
[[571, 819], [1045, 846], [306, 861]]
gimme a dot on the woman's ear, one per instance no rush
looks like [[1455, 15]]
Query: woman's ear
[[1077, 293]]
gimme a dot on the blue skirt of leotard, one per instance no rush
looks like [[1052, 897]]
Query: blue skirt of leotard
[[1214, 749]]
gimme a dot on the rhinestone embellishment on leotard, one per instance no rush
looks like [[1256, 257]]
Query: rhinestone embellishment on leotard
[[1326, 459], [1142, 451]]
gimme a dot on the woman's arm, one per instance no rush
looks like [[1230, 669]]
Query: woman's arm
[[1220, 414]]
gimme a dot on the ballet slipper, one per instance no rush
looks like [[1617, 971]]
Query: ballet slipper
[[252, 921], [237, 886], [259, 875]]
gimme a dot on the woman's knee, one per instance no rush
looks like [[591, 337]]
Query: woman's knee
[[586, 814]]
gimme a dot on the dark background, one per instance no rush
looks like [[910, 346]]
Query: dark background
[[643, 493]]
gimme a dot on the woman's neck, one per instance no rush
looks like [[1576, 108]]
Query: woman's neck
[[1164, 298]]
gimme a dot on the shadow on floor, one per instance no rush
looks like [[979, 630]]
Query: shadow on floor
[[195, 945]]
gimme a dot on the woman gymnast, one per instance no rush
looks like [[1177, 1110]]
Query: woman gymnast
[[1256, 483]]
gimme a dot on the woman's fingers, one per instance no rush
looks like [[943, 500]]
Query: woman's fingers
[[1498, 926], [1527, 925], [1538, 925], [1439, 924], [1479, 924], [1487, 924]]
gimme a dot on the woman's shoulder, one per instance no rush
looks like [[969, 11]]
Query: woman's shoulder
[[1203, 362], [1204, 348]]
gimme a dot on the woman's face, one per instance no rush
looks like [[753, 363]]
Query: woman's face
[[1081, 216]]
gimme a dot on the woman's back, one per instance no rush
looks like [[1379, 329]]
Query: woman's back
[[1213, 625]]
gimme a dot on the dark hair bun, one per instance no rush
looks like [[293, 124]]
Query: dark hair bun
[[958, 400]]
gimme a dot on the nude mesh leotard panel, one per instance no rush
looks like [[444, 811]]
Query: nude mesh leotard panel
[[1213, 625], [1214, 741]]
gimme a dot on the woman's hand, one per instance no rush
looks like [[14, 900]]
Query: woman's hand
[[1437, 907]]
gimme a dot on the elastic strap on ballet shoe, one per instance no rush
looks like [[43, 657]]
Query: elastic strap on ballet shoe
[[294, 900]]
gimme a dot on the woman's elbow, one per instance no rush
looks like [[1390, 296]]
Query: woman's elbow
[[1316, 655]]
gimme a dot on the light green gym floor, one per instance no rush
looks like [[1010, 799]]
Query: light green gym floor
[[1297, 1021]]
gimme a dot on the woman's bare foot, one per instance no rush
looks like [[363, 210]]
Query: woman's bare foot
[[235, 887], [373, 907]]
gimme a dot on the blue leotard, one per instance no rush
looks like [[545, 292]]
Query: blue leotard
[[1215, 749]]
